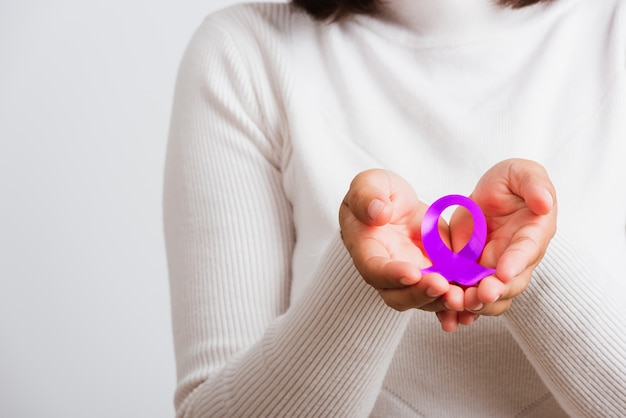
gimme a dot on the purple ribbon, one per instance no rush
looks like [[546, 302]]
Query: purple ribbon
[[460, 267]]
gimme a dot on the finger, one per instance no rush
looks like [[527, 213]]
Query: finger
[[453, 300], [376, 197], [488, 291], [514, 184], [472, 302], [449, 320], [492, 297], [525, 250], [531, 182], [495, 309], [383, 273], [492, 289], [467, 318], [430, 288]]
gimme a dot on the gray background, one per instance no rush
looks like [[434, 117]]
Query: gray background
[[85, 98]]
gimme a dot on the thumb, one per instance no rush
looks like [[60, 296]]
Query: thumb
[[377, 197], [531, 182]]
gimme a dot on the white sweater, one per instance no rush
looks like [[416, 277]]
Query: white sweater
[[273, 116]]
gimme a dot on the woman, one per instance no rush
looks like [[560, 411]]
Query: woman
[[286, 113]]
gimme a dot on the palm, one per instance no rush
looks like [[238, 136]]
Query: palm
[[520, 219], [398, 240], [509, 220]]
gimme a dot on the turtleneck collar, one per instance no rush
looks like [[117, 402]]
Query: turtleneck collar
[[452, 21]]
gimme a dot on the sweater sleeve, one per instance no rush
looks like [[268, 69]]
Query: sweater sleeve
[[570, 323], [241, 348]]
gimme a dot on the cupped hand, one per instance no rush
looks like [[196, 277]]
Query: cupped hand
[[519, 203], [380, 220]]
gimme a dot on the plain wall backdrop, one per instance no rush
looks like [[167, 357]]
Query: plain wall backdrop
[[85, 96]]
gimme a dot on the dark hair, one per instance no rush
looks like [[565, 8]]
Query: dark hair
[[323, 9]]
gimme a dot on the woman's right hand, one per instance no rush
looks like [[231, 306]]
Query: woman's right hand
[[380, 220]]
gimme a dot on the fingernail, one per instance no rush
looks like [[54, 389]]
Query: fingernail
[[375, 207], [433, 293], [478, 307], [407, 281], [548, 198]]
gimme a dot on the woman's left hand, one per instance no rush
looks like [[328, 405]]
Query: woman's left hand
[[519, 203]]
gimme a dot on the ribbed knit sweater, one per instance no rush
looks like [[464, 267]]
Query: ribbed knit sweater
[[275, 113]]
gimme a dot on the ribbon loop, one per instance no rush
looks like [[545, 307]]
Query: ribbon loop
[[460, 267]]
